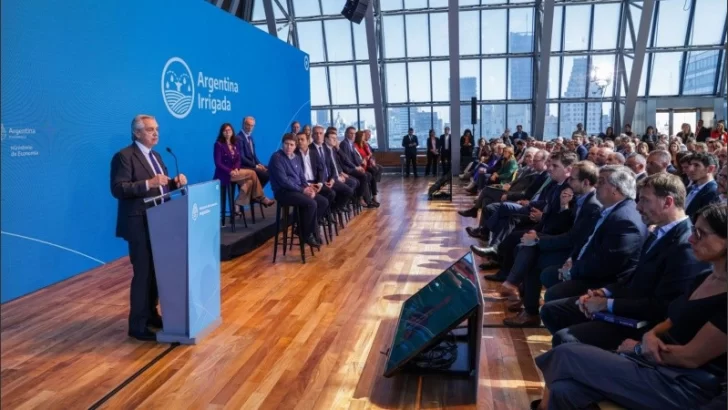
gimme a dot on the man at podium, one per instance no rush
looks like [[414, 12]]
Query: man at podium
[[138, 172]]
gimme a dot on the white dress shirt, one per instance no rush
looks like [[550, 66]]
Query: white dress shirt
[[145, 152], [307, 168]]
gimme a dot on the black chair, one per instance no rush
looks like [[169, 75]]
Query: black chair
[[233, 208], [289, 220]]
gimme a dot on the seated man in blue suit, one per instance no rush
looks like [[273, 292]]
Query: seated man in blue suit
[[613, 248], [666, 269], [553, 250], [290, 188], [704, 189], [333, 180], [246, 147], [314, 170]]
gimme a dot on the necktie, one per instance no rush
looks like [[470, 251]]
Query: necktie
[[158, 171], [691, 194], [333, 160], [538, 193], [250, 143], [651, 239]]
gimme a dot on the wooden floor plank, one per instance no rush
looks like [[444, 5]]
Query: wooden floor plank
[[293, 336]]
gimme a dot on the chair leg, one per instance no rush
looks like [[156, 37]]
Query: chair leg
[[301, 235], [245, 219], [231, 200], [278, 230], [326, 234], [262, 215], [285, 229]]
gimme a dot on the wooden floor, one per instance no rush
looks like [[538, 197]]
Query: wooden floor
[[293, 336]]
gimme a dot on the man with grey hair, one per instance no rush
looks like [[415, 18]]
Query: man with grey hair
[[637, 164], [138, 172], [657, 162], [615, 158], [611, 252]]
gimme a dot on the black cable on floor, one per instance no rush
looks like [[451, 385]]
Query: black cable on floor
[[131, 378]]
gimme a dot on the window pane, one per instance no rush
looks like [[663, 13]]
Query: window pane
[[338, 40], [441, 81], [672, 22], [576, 36], [438, 34], [332, 7], [573, 82], [598, 117], [306, 8], [521, 31], [494, 31], [391, 5], [601, 76], [551, 123], [494, 79], [259, 10], [397, 125], [712, 13], [417, 35], [364, 79], [700, 72], [571, 114], [415, 4], [319, 87], [469, 24], [311, 40], [419, 82], [469, 79], [493, 120], [520, 78], [421, 121], [344, 119], [606, 24], [396, 83], [361, 52], [556, 34], [665, 74], [440, 118], [466, 118], [320, 117], [554, 74], [342, 85], [393, 33], [519, 114], [643, 76], [438, 3], [367, 122]]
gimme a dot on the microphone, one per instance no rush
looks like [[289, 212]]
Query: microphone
[[176, 164]]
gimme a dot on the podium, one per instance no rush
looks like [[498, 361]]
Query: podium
[[184, 230]]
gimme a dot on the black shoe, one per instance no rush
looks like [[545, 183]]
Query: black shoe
[[489, 265], [155, 321], [375, 202], [484, 252], [476, 233], [469, 213], [312, 242], [495, 277], [145, 336]]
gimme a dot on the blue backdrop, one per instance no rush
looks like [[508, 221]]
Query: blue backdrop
[[74, 74]]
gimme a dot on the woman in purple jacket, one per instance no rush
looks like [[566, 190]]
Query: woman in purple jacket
[[227, 169]]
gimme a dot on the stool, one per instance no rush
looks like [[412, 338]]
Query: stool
[[283, 213], [233, 207], [252, 208]]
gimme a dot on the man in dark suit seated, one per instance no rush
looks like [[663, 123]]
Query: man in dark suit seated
[[352, 166], [665, 270], [704, 189], [550, 219], [548, 250], [531, 196], [138, 172], [333, 180], [613, 248], [313, 170], [246, 146], [290, 188]]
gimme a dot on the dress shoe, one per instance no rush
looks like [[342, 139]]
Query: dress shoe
[[491, 264], [155, 321], [523, 319], [476, 233], [469, 213], [484, 252], [145, 336], [312, 242], [495, 277], [514, 305]]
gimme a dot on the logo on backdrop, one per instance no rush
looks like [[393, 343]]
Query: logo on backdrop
[[178, 90], [305, 62], [195, 211]]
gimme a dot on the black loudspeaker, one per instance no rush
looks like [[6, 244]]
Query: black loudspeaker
[[473, 110], [354, 10]]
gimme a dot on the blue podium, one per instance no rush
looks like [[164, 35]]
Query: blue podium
[[184, 229]]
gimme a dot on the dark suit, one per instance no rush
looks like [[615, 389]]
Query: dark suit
[[445, 153], [249, 159], [492, 194], [664, 271], [706, 196], [432, 157], [318, 169], [532, 184], [410, 153], [340, 192], [349, 167], [611, 254], [555, 249], [130, 170]]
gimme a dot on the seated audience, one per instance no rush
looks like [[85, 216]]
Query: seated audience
[[246, 147], [703, 190]]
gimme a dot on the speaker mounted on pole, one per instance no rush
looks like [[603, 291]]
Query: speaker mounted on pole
[[474, 110], [354, 10]]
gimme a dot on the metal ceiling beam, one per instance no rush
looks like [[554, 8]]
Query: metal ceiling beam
[[453, 16], [270, 18], [639, 58], [539, 107], [374, 74]]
